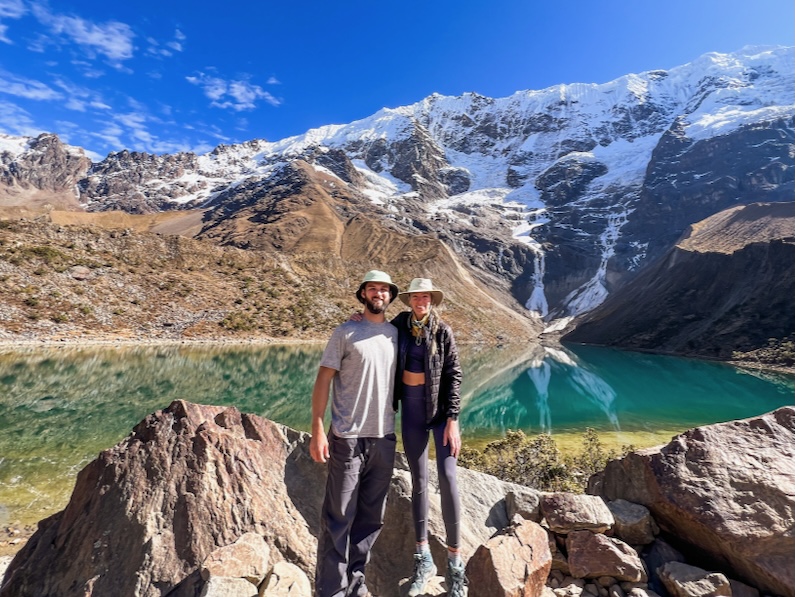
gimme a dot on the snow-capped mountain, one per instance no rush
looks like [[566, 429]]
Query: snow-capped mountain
[[564, 193]]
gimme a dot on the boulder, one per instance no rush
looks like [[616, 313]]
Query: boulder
[[633, 522], [682, 580], [224, 586], [188, 480], [655, 555], [566, 512], [525, 502], [591, 555], [196, 492], [726, 490], [245, 558], [513, 563], [286, 580], [483, 513]]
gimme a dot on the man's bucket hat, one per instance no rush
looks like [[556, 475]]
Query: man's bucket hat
[[375, 275], [422, 285]]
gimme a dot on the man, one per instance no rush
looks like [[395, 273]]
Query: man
[[360, 448]]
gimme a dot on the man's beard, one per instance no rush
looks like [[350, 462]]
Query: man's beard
[[375, 309]]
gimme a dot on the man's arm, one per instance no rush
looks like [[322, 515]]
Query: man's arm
[[318, 445]]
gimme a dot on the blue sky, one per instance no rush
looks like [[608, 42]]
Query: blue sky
[[178, 75]]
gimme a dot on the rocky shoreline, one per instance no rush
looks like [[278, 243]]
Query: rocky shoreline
[[172, 507]]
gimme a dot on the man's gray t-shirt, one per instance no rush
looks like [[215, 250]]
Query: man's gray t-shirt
[[364, 355]]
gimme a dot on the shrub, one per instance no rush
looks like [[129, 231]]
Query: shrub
[[537, 462]]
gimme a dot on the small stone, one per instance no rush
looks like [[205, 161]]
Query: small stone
[[606, 581], [615, 591]]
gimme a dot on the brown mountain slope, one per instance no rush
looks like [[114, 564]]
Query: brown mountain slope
[[107, 281], [728, 285]]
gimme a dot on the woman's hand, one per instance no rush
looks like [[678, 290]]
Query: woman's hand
[[452, 435], [357, 316]]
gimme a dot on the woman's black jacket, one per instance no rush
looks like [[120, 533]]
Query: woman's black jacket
[[442, 369]]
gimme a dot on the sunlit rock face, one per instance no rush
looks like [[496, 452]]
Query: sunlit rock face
[[725, 491], [562, 195]]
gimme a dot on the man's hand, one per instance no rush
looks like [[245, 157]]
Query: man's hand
[[318, 446], [452, 436]]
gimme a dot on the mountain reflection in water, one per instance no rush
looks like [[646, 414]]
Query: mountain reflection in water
[[60, 407], [566, 389]]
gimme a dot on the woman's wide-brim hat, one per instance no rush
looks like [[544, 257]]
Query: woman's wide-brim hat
[[422, 285], [375, 275]]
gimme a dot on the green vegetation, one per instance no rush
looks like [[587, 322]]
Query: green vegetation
[[538, 462], [779, 352]]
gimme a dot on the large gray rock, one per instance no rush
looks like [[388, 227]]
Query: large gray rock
[[567, 512], [683, 580], [193, 493], [728, 490], [634, 523]]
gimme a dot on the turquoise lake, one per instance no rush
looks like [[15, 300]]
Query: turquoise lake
[[59, 407]]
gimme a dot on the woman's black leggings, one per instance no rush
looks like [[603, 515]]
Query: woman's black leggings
[[415, 443]]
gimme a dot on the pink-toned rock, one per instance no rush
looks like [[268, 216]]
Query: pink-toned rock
[[188, 480], [566, 512], [726, 489], [245, 558], [513, 563], [592, 555], [286, 580]]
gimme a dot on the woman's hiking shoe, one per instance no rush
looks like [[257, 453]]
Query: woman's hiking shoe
[[456, 581], [424, 570]]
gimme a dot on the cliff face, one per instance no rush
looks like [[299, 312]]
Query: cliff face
[[727, 286]]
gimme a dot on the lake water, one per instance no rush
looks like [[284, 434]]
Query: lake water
[[60, 407]]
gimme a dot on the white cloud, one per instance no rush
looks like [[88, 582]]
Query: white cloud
[[274, 81], [237, 95], [110, 135], [156, 49], [12, 9], [112, 39], [16, 121], [27, 88], [80, 98]]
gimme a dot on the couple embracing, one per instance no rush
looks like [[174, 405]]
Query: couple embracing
[[376, 366]]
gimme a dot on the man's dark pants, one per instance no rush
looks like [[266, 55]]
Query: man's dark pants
[[359, 473]]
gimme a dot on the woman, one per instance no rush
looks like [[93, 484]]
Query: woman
[[428, 378]]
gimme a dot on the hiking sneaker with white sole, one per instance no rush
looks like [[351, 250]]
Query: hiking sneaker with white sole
[[424, 570]]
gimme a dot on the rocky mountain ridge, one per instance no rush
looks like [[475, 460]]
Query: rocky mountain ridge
[[557, 198]]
